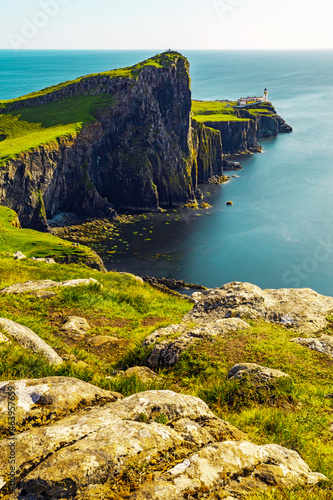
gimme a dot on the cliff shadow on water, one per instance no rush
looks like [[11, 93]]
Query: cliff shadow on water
[[124, 139]]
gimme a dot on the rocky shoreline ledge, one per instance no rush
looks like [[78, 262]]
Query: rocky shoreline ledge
[[80, 442]]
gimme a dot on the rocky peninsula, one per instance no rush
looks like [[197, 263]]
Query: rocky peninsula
[[124, 139]]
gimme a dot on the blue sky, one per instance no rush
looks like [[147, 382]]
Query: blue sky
[[162, 24]]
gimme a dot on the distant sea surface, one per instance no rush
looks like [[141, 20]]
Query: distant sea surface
[[279, 232]]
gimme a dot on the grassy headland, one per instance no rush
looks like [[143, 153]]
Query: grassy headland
[[215, 111], [159, 61], [35, 244], [31, 126]]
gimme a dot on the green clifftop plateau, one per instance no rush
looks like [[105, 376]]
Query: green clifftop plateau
[[123, 139]]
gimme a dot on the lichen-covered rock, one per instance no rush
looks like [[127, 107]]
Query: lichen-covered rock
[[166, 352], [40, 401], [230, 468], [98, 444], [91, 453], [323, 344], [34, 286], [300, 309], [262, 373], [30, 340], [75, 327]]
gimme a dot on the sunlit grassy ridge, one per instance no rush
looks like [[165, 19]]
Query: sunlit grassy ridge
[[214, 111], [30, 127], [35, 244], [159, 61]]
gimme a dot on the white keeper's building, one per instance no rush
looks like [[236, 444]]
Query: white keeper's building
[[245, 100]]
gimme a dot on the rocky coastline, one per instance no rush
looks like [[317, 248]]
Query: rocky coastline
[[143, 152]]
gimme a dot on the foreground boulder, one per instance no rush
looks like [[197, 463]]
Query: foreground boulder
[[230, 468], [30, 340], [300, 309], [111, 451], [38, 401]]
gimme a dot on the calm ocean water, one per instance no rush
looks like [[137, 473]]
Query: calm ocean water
[[279, 231]]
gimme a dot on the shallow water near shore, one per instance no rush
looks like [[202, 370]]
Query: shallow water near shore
[[278, 233]]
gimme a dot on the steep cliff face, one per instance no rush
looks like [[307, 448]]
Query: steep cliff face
[[241, 136], [237, 136], [136, 154], [208, 154]]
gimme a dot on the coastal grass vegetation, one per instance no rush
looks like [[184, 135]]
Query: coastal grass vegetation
[[25, 127], [295, 412], [165, 59], [36, 244], [215, 111], [30, 127]]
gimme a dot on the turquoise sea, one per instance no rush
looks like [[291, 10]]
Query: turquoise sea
[[279, 232]]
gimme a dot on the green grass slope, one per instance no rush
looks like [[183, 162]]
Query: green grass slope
[[214, 111], [295, 413], [35, 244], [32, 126]]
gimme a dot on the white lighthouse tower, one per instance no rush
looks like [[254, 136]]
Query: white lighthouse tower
[[266, 95]]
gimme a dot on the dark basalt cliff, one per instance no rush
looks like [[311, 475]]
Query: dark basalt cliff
[[141, 152], [242, 136], [138, 154]]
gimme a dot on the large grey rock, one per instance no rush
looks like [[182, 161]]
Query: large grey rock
[[83, 456], [43, 400], [30, 340], [166, 352], [98, 444], [301, 309], [232, 467], [323, 344], [33, 286], [263, 373]]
